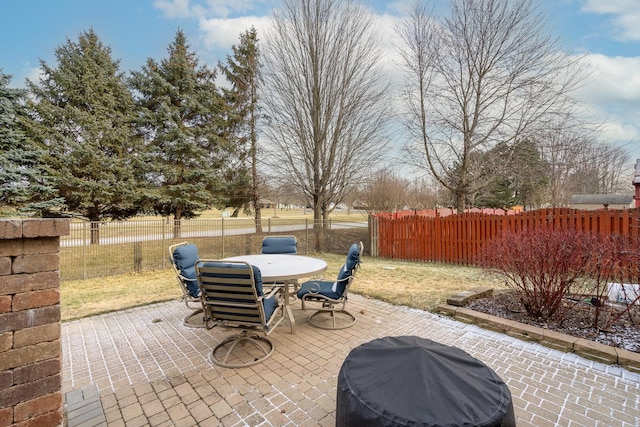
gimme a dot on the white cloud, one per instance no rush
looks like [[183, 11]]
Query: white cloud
[[35, 74], [224, 33], [401, 7], [611, 97], [618, 131], [216, 22], [613, 79], [613, 92], [205, 8], [224, 8], [389, 45], [625, 16], [174, 8]]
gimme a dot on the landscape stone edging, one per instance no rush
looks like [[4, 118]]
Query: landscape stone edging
[[588, 349]]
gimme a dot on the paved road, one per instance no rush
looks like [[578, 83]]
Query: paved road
[[213, 232]]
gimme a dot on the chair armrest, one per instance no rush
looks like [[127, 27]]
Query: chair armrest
[[275, 290], [314, 286]]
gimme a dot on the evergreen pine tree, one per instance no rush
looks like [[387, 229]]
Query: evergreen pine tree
[[518, 182], [242, 71], [182, 120], [83, 114], [25, 187]]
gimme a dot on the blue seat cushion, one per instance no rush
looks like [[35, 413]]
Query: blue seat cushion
[[185, 258], [343, 278], [321, 287], [353, 256], [279, 245], [334, 290], [270, 305]]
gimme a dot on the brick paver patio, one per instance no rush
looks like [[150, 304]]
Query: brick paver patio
[[150, 369]]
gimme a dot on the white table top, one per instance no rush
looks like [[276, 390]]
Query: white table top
[[281, 267]]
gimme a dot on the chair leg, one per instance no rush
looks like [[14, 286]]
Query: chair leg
[[195, 320], [332, 319], [223, 352], [192, 303]]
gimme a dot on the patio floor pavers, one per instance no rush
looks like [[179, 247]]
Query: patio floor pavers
[[151, 370]]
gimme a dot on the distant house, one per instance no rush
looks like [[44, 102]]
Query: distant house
[[267, 204], [601, 201]]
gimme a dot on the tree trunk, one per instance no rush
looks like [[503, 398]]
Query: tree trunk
[[94, 232], [177, 224], [258, 219]]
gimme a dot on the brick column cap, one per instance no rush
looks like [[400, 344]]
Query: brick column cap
[[33, 228]]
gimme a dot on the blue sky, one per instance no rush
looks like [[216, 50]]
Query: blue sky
[[607, 32]]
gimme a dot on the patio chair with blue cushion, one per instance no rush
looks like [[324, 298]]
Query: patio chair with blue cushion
[[332, 295], [232, 296], [183, 258], [286, 245], [280, 245]]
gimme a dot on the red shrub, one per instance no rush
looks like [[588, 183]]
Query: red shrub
[[544, 266], [616, 259], [541, 265]]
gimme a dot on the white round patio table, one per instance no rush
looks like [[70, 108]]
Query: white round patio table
[[286, 269]]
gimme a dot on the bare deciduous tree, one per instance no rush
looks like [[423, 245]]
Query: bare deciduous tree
[[560, 151], [424, 194], [577, 163], [384, 192], [488, 73], [599, 170], [324, 98]]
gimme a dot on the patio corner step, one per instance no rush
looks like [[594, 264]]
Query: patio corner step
[[463, 298], [83, 408]]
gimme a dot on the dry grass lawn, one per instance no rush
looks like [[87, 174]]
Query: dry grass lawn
[[414, 284]]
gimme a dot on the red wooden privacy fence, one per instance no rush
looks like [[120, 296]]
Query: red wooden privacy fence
[[458, 239]]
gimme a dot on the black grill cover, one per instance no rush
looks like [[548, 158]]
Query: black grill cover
[[412, 381]]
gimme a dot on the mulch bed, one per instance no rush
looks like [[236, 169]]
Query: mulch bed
[[578, 319]]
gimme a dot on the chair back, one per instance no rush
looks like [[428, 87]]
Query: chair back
[[183, 258], [332, 295], [232, 293], [348, 270], [280, 245]]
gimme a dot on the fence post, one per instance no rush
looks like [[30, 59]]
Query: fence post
[[84, 250], [164, 259], [222, 232], [137, 257], [373, 236]]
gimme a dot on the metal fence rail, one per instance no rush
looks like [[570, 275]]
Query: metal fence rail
[[95, 249]]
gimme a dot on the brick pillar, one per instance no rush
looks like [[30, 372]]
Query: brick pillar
[[30, 351]]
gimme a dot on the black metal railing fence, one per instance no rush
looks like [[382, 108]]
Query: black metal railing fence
[[96, 249]]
